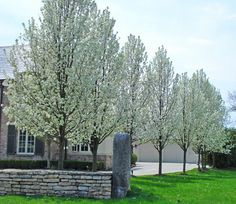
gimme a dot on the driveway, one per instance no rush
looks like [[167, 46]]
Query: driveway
[[151, 168]]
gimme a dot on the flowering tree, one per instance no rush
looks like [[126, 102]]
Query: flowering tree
[[48, 99], [102, 86], [211, 115], [200, 113], [132, 87], [201, 117], [160, 107], [185, 115]]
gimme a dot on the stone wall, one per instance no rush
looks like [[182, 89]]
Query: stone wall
[[59, 183]]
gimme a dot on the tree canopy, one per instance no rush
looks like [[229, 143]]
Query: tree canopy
[[79, 85]]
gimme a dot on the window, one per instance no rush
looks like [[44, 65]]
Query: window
[[76, 148], [26, 142], [84, 147], [80, 148]]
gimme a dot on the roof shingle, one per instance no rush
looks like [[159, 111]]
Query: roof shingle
[[6, 70]]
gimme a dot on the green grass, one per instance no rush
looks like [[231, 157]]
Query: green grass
[[213, 186]]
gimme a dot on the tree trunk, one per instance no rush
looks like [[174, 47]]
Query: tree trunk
[[184, 162], [199, 161], [48, 153], [132, 148], [203, 160], [131, 141], [94, 149], [66, 146], [61, 154], [160, 162], [94, 167]]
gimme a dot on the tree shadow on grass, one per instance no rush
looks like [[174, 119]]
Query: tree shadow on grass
[[169, 181], [142, 196]]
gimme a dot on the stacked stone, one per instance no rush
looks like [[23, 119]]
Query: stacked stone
[[59, 183]]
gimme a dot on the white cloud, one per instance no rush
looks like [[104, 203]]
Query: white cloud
[[216, 11]]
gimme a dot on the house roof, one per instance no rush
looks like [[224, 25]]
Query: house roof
[[6, 70]]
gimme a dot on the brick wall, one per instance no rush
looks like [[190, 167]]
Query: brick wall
[[59, 183], [3, 133]]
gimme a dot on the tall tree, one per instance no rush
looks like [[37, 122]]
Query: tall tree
[[104, 68], [47, 99], [161, 86], [210, 118], [200, 114], [132, 87], [185, 115]]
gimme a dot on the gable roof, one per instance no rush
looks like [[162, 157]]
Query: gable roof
[[6, 70]]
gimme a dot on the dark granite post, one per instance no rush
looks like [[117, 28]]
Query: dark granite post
[[121, 165]]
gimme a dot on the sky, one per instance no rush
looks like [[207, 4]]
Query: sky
[[198, 34]]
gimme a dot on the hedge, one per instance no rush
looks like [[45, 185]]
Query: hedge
[[23, 164], [78, 165], [42, 164], [223, 160]]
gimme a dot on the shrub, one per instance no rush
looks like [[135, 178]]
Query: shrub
[[23, 164], [225, 160], [134, 159], [232, 158], [221, 160], [42, 164], [78, 165]]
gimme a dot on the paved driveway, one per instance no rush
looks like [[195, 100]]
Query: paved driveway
[[151, 168]]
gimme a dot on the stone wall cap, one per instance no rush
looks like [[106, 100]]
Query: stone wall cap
[[47, 171]]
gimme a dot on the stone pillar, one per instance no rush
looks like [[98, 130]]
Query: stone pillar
[[121, 165]]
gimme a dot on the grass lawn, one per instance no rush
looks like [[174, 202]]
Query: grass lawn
[[213, 186]]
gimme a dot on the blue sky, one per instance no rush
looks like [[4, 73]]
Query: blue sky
[[196, 33]]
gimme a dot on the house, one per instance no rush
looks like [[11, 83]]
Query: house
[[18, 144]]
